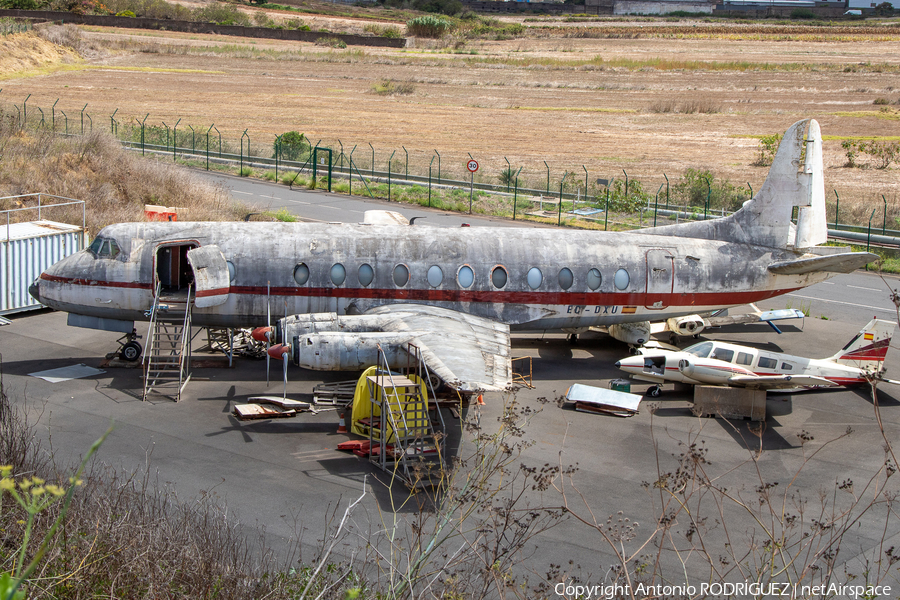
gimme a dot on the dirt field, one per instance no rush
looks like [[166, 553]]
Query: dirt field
[[577, 103]]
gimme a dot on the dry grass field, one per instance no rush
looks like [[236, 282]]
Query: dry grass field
[[600, 97]]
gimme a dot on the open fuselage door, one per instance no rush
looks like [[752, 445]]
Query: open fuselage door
[[211, 276]]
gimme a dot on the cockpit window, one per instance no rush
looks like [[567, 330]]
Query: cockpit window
[[104, 248], [700, 350]]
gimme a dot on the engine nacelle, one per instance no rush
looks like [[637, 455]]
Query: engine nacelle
[[353, 351], [703, 373], [689, 325], [633, 334]]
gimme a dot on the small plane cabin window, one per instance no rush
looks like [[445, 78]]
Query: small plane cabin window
[[622, 279], [723, 354], [366, 274], [104, 248], [767, 363], [96, 245], [301, 274], [434, 276], [401, 275], [338, 274], [700, 350], [231, 271], [465, 276], [535, 278], [785, 366], [594, 279], [499, 277], [745, 358], [566, 279], [113, 249]]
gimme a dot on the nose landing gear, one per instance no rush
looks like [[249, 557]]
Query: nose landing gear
[[129, 348]]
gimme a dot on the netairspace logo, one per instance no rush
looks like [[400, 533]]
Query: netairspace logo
[[572, 591]]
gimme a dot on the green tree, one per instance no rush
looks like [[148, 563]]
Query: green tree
[[294, 146]]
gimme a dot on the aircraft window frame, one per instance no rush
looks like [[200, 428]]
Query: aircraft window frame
[[744, 358], [770, 363], [497, 273], [723, 354], [405, 277], [231, 271], [569, 276], [341, 274], [534, 272], [103, 247], [470, 275], [693, 350], [622, 279], [786, 366], [303, 268], [434, 276], [594, 275], [98, 242], [366, 279]]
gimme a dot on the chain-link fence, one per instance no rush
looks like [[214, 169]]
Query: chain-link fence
[[579, 195]]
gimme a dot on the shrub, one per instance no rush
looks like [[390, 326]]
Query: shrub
[[803, 13], [125, 13], [221, 14], [294, 146], [768, 147], [881, 101], [388, 87], [331, 42], [428, 26], [696, 185]]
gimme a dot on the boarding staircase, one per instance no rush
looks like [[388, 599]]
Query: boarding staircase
[[405, 439], [167, 360]]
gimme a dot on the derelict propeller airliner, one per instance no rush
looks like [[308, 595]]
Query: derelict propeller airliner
[[456, 292]]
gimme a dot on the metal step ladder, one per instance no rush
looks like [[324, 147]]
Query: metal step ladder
[[167, 361], [404, 439]]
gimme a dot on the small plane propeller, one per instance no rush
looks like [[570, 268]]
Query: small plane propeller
[[282, 351]]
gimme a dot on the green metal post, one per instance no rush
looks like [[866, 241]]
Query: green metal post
[[708, 194], [142, 139], [429, 181], [439, 168], [25, 109], [837, 208], [559, 209], [656, 204], [207, 144], [52, 108], [548, 176], [243, 135], [626, 186], [606, 212], [82, 118], [884, 220], [508, 173], [42, 115], [373, 158], [516, 193], [112, 119], [277, 152], [667, 191], [751, 190], [175, 138], [389, 174], [351, 171], [869, 234], [585, 182], [407, 161]]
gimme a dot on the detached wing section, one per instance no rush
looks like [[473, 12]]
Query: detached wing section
[[469, 353], [779, 382]]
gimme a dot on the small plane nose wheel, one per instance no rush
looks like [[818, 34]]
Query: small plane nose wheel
[[654, 392], [573, 339], [131, 351]]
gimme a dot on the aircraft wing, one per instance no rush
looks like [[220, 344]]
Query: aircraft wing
[[774, 382], [846, 262], [469, 353]]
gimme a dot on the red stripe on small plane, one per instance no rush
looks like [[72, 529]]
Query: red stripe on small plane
[[96, 282], [215, 292], [876, 351]]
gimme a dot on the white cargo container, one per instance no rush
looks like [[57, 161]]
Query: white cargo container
[[27, 249]]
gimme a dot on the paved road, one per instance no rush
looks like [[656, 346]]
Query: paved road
[[288, 476]]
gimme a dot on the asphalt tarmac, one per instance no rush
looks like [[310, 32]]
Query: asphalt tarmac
[[287, 476]]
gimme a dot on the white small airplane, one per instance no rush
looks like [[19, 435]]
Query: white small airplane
[[721, 363], [453, 293]]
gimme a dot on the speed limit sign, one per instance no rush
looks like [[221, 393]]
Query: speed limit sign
[[472, 166]]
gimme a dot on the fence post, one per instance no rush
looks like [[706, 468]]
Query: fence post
[[407, 161], [112, 119], [429, 181], [207, 144], [42, 115], [90, 121], [884, 220], [708, 194], [559, 209], [508, 173], [277, 152], [389, 174], [667, 191], [656, 204], [25, 110], [606, 212], [439, 168], [869, 234], [142, 138], [585, 183], [516, 193], [837, 208], [82, 118], [175, 138], [53, 108], [373, 158], [243, 135], [548, 176], [626, 186]]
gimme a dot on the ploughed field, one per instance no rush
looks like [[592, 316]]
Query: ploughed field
[[592, 98]]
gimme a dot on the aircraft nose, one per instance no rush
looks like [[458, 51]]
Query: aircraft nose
[[35, 289], [618, 364]]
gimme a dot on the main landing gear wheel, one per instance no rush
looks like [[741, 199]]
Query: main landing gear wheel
[[654, 392], [573, 339], [131, 351]]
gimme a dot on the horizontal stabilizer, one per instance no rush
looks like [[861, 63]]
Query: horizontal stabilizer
[[775, 382], [845, 262]]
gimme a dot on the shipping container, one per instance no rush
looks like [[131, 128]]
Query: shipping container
[[26, 250]]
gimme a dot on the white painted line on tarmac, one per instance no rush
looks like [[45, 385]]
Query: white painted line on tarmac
[[890, 310], [244, 193], [857, 287]]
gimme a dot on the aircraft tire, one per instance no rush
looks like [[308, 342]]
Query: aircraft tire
[[131, 351], [654, 392]]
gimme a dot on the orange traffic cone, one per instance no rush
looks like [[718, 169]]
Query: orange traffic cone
[[342, 428], [481, 399]]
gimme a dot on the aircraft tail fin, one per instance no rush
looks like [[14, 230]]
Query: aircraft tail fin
[[869, 348], [795, 179]]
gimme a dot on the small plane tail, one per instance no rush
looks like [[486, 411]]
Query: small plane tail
[[869, 348], [795, 179]]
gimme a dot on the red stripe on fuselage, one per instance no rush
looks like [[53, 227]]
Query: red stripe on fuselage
[[494, 296]]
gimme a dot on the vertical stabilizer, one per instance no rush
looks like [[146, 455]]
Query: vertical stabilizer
[[869, 348], [795, 179]]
